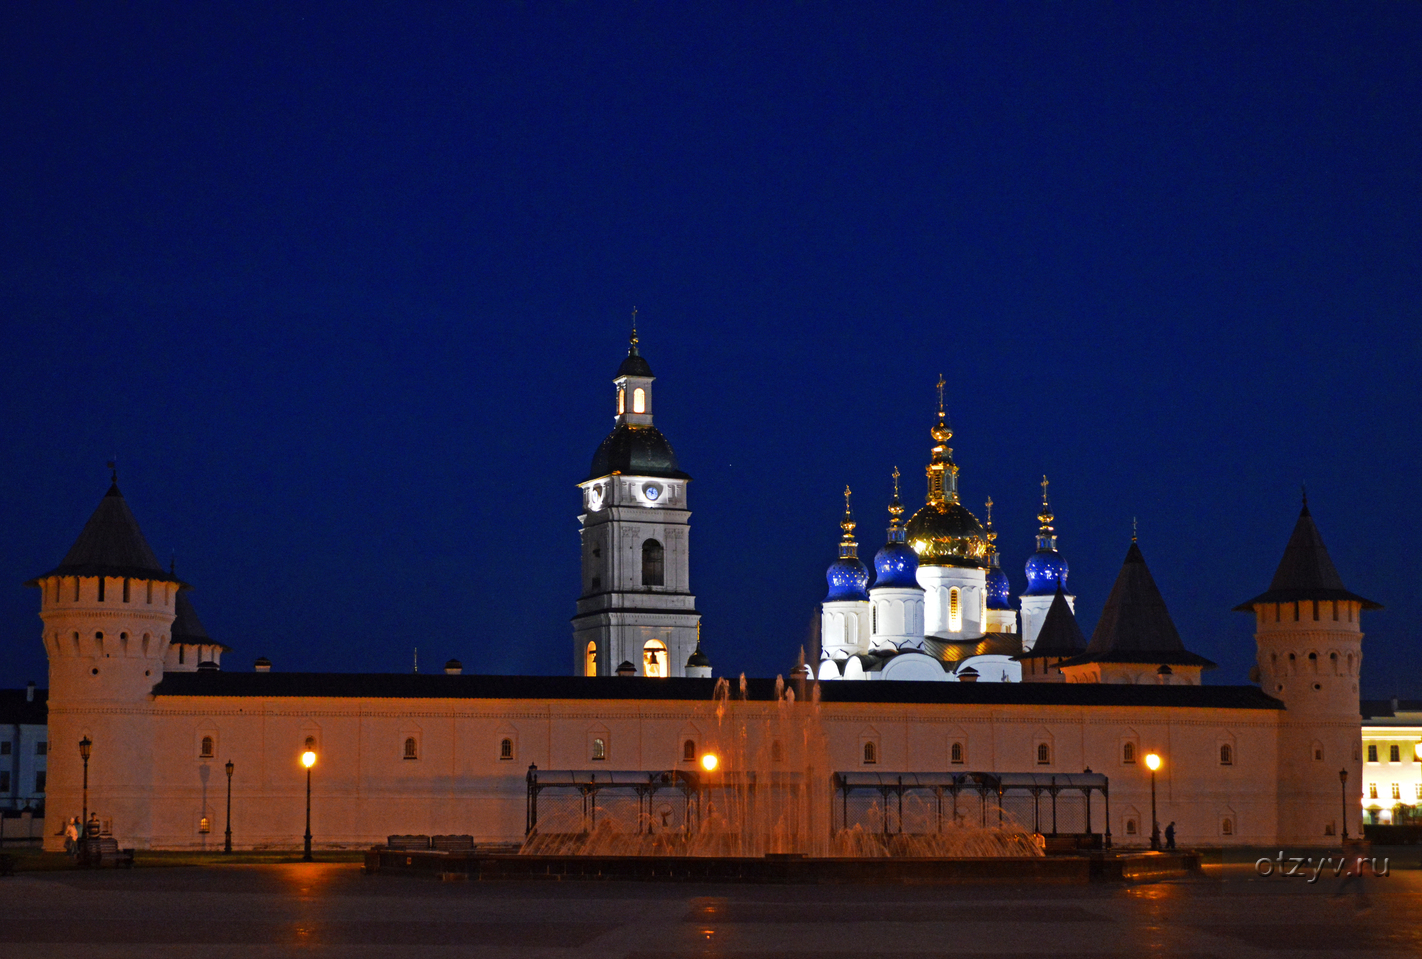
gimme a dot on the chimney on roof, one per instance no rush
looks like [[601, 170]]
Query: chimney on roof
[[1394, 701], [626, 668], [30, 692], [262, 665], [453, 668]]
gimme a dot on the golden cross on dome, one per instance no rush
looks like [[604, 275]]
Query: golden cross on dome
[[634, 326], [1044, 489], [989, 510], [896, 482], [941, 383]]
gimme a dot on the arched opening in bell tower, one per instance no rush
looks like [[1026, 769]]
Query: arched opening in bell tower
[[654, 659], [590, 660]]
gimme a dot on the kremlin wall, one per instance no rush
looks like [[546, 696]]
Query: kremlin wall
[[923, 671]]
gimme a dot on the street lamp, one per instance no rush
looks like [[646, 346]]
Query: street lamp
[[1153, 763], [1343, 788], [308, 759], [709, 761], [227, 843], [85, 745]]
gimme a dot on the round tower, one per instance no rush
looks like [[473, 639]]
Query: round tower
[[1046, 570], [896, 601], [1309, 642], [108, 612], [951, 546], [845, 619]]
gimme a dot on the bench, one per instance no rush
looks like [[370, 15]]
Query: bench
[[464, 843], [104, 851], [408, 843]]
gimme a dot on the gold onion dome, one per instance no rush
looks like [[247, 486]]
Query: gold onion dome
[[943, 532]]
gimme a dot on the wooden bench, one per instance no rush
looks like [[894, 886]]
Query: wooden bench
[[408, 843], [104, 851], [464, 843]]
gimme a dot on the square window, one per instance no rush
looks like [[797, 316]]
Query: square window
[[1372, 753], [1394, 753], [5, 748], [41, 748]]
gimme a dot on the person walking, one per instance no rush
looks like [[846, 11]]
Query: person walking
[[71, 836], [1170, 835], [1355, 860]]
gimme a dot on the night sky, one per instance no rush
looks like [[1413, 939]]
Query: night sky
[[344, 291]]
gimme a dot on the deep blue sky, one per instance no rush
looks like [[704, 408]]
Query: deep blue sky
[[344, 290]]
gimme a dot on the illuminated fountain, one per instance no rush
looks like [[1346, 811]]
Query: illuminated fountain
[[765, 787]]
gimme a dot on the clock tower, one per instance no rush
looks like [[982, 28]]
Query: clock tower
[[636, 604]]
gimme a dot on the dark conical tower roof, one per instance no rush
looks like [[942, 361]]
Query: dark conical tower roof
[[1135, 626], [187, 628], [1060, 635], [1306, 572], [111, 544]]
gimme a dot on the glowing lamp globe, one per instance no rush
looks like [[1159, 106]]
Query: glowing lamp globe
[[708, 762], [308, 759], [1153, 761]]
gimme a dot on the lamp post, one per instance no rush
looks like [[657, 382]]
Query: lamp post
[[85, 745], [1153, 762], [308, 759], [227, 842], [1343, 789]]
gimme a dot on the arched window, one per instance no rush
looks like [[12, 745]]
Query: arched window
[[621, 401], [207, 747], [1128, 752], [1044, 754], [653, 564], [875, 612], [204, 825], [982, 607], [311, 742], [1227, 826], [955, 611], [955, 752], [590, 660], [412, 748], [506, 748], [639, 400], [1226, 754], [688, 751], [599, 749], [871, 754], [1130, 827], [654, 659]]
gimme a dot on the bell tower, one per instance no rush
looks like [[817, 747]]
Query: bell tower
[[1309, 642], [636, 604]]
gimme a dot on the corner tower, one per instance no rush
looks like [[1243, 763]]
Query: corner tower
[[1309, 641], [636, 602]]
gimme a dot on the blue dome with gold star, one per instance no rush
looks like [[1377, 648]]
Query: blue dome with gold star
[[999, 590], [895, 566], [1045, 569], [847, 579]]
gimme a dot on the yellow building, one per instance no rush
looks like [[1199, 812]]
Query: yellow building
[[1392, 767]]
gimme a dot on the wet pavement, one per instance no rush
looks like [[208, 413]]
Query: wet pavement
[[327, 909]]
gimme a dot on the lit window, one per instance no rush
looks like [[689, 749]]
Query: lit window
[[506, 749], [653, 564], [1226, 754], [1227, 827], [621, 401], [688, 751], [871, 755], [654, 659], [590, 660], [1419, 790], [1372, 753], [599, 749], [639, 400], [1128, 753], [1394, 754], [412, 748], [1372, 790], [204, 825], [1396, 791], [207, 747], [1044, 754], [955, 611], [956, 753]]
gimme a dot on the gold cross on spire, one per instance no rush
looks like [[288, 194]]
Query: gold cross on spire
[[941, 383], [896, 482], [634, 326], [989, 510], [1044, 489]]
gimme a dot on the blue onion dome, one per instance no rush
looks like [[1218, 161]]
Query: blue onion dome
[[1046, 569], [999, 590], [943, 532], [896, 565], [847, 576]]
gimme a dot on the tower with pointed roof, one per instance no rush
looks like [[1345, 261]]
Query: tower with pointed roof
[[1309, 644], [845, 615], [636, 603], [1046, 571], [951, 545], [108, 610], [896, 601], [1059, 639]]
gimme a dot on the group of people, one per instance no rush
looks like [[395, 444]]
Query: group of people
[[75, 832]]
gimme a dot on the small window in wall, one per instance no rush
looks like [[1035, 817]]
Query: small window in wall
[[204, 825], [639, 400], [4, 781], [150, 593], [1318, 754], [505, 748], [1372, 753], [955, 611], [1131, 829], [1226, 826], [1394, 754], [1396, 791], [207, 748], [180, 655], [621, 401], [412, 748], [1044, 754], [688, 751], [101, 589], [1128, 752], [777, 752], [42, 748], [875, 613], [653, 564], [40, 781], [125, 590], [599, 750], [1226, 754], [1372, 790], [871, 753], [311, 742], [1328, 829], [955, 753], [5, 748]]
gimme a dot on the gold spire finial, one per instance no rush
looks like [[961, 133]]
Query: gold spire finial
[[847, 546], [988, 504], [1044, 489], [633, 344], [896, 508], [991, 533], [896, 482], [941, 383]]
